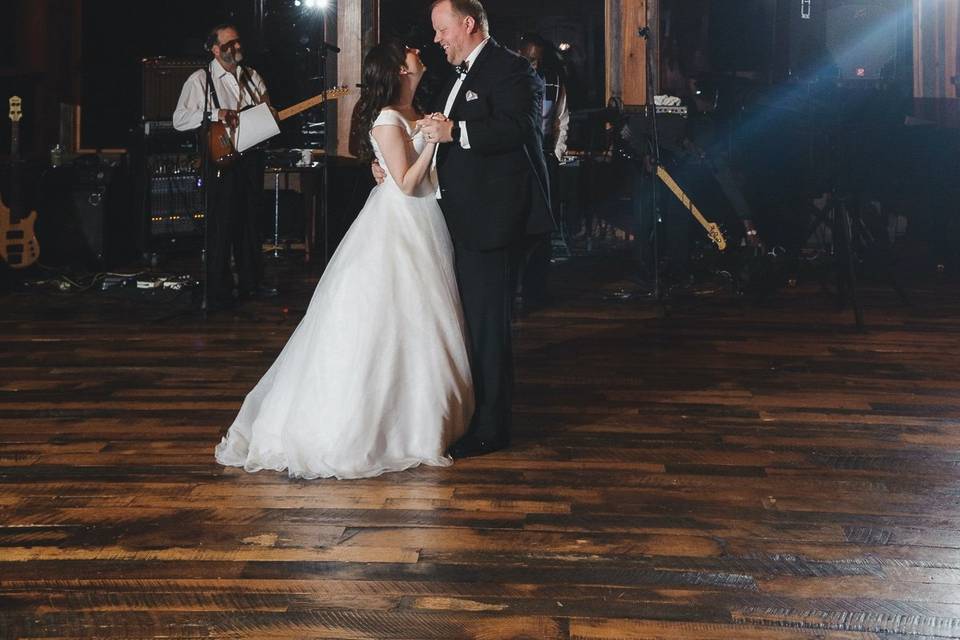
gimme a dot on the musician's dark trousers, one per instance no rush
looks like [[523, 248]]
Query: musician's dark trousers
[[235, 194], [533, 263], [486, 290]]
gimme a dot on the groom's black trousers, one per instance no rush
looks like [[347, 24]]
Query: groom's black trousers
[[486, 291]]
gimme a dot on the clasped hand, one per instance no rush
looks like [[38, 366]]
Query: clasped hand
[[436, 127]]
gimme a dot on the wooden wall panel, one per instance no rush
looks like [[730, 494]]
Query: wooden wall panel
[[626, 49], [357, 31], [936, 60], [936, 27]]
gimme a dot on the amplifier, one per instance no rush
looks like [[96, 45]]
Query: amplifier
[[82, 219], [176, 205], [671, 126], [662, 110], [163, 80]]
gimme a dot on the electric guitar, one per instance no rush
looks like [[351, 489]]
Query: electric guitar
[[711, 227], [18, 241], [221, 139]]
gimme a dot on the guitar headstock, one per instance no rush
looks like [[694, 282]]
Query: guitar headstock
[[337, 92], [716, 236], [15, 111]]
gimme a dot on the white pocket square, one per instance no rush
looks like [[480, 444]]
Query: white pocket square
[[471, 96]]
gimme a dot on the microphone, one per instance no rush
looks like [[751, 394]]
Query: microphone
[[305, 42]]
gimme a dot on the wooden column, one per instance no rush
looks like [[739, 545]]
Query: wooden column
[[357, 26], [626, 49], [936, 67], [935, 32], [47, 67]]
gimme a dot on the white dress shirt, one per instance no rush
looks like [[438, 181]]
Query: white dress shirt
[[455, 91], [556, 121], [231, 93]]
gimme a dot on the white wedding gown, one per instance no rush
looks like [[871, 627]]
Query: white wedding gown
[[376, 376]]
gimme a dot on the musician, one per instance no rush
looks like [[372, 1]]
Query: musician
[[234, 193], [703, 144], [531, 279], [696, 158]]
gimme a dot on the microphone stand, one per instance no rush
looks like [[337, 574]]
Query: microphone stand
[[644, 32], [205, 196], [657, 294], [323, 49]]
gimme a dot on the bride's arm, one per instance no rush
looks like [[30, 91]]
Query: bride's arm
[[395, 145]]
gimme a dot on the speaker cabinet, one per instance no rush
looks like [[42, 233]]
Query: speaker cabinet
[[80, 221], [163, 80], [89, 203]]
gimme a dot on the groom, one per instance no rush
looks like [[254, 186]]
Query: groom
[[493, 192]]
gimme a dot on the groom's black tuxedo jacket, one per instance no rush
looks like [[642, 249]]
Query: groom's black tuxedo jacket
[[495, 191]]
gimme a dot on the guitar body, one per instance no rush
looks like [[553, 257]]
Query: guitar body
[[19, 247], [220, 137], [220, 144]]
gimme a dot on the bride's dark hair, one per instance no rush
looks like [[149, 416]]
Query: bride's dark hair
[[381, 88]]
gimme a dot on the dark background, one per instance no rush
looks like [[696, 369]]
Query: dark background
[[96, 61], [792, 111]]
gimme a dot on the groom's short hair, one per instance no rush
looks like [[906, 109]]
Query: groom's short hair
[[469, 8]]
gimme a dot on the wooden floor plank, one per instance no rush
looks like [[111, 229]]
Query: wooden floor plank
[[729, 471]]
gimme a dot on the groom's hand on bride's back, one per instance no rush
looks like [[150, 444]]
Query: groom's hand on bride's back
[[378, 173]]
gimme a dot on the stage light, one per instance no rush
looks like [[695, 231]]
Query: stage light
[[564, 46], [296, 3], [314, 4]]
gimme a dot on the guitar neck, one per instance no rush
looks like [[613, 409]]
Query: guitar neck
[[712, 230], [14, 142], [301, 106], [682, 197], [16, 212]]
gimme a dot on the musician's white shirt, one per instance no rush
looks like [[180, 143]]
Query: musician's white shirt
[[231, 93]]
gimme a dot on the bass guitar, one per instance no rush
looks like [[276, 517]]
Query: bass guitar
[[713, 231], [18, 241], [221, 139]]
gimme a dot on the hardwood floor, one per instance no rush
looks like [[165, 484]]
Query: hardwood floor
[[729, 471]]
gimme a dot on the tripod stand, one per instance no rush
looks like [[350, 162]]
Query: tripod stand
[[854, 243]]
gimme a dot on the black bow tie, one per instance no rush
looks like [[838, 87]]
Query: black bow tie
[[462, 68]]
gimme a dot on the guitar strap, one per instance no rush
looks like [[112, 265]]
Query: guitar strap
[[211, 89], [246, 82]]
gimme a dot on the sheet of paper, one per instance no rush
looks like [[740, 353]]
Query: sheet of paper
[[256, 125]]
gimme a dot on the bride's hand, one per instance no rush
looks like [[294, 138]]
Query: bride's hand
[[419, 126], [437, 116]]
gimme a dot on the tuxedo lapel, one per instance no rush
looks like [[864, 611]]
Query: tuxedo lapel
[[441, 99], [476, 70]]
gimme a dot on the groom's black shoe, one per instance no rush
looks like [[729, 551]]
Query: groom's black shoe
[[470, 446]]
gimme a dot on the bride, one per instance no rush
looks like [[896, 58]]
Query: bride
[[376, 377]]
